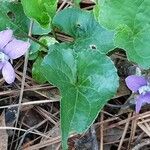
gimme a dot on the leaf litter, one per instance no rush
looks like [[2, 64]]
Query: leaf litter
[[39, 124]]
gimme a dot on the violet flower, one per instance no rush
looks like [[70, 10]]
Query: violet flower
[[141, 87], [10, 48]]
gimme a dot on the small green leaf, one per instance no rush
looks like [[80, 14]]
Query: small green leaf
[[86, 31], [47, 41], [130, 20], [41, 11], [34, 49], [12, 16], [37, 71], [33, 56], [87, 80]]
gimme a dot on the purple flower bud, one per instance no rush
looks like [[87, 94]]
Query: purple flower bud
[[10, 48]]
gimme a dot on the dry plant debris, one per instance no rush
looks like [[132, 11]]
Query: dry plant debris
[[37, 126]]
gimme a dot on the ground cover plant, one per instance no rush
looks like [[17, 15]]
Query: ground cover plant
[[82, 58]]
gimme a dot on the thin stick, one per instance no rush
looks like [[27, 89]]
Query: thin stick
[[30, 103], [62, 5], [19, 129], [22, 83], [33, 88], [124, 132], [24, 76], [30, 129], [133, 130], [142, 144], [44, 143], [138, 116], [145, 129]]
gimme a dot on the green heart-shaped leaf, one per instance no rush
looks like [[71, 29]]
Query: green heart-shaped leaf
[[130, 20], [86, 31], [87, 80]]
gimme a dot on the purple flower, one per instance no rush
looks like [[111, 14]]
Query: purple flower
[[10, 48], [141, 86]]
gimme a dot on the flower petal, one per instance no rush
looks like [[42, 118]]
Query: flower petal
[[16, 48], [5, 37], [8, 73], [138, 105], [134, 82], [142, 99]]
